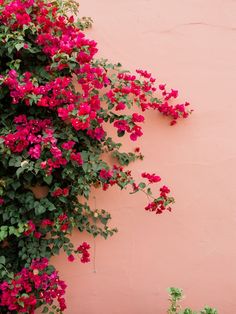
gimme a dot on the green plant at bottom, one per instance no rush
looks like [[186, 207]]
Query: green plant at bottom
[[175, 297]]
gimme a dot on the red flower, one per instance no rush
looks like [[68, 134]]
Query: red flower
[[46, 222], [71, 258], [120, 106], [68, 145], [83, 249], [37, 235], [105, 174], [137, 117], [121, 125], [60, 192], [162, 86], [164, 190], [62, 217], [76, 157], [64, 227], [31, 228], [152, 178]]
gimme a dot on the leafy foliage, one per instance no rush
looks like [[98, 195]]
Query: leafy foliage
[[175, 296], [56, 102]]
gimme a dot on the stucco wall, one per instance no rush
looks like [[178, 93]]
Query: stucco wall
[[190, 45]]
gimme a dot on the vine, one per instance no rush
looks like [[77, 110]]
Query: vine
[[56, 100]]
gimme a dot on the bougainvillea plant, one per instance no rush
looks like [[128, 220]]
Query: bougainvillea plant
[[56, 103]]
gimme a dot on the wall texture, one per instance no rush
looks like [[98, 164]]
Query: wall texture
[[190, 45]]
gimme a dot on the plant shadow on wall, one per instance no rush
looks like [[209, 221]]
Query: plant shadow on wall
[[56, 99]]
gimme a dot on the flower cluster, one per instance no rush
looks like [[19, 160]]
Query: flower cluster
[[141, 92], [37, 282], [161, 203], [28, 135], [152, 178], [83, 249], [60, 191], [37, 138], [16, 12]]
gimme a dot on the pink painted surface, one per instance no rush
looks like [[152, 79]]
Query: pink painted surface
[[190, 45]]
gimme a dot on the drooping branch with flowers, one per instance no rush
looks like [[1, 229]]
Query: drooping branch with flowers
[[56, 100]]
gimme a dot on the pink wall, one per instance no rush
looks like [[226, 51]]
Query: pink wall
[[191, 45]]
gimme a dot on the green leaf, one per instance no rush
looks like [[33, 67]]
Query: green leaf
[[142, 185], [48, 179], [2, 260], [19, 46], [21, 303], [16, 185], [12, 162], [19, 171], [45, 309], [40, 209], [12, 230], [85, 166], [5, 216], [120, 133]]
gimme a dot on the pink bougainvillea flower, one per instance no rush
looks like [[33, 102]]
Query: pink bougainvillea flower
[[71, 258]]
